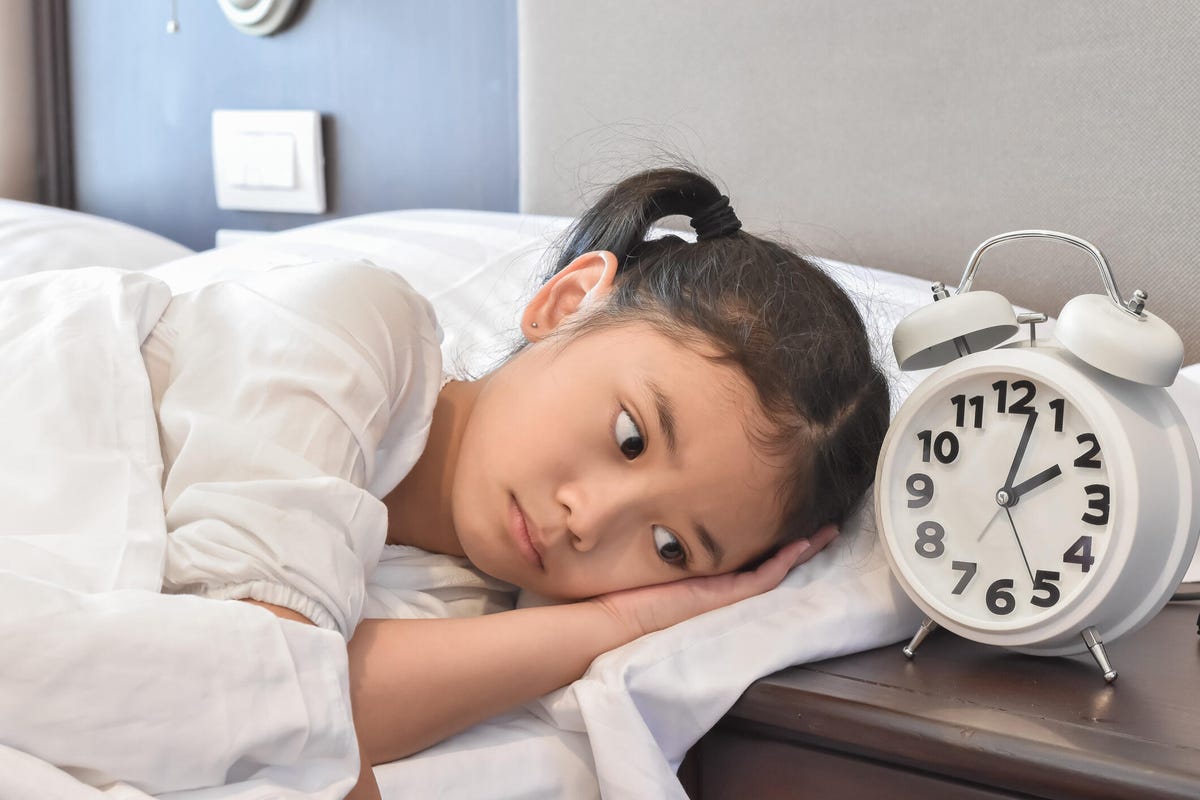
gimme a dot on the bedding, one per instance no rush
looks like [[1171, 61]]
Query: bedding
[[34, 238], [620, 731]]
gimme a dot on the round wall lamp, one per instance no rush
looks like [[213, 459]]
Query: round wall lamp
[[258, 17]]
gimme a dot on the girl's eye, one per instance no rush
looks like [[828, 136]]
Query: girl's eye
[[629, 438], [668, 547]]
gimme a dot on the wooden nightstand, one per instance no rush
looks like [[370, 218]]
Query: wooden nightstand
[[963, 720]]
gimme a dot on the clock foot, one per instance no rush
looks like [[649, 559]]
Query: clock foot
[[1092, 640], [928, 626]]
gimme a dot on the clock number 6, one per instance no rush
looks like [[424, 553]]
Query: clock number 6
[[929, 539], [1000, 601]]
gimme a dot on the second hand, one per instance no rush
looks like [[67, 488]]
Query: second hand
[[1019, 545]]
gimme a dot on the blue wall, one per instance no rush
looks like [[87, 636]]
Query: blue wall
[[418, 97]]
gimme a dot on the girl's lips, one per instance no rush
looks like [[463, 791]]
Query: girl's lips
[[518, 529]]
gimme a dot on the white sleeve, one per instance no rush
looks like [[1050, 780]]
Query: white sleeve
[[274, 397]]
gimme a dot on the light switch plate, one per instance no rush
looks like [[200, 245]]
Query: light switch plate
[[269, 161]]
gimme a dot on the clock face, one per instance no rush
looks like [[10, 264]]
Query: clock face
[[999, 499]]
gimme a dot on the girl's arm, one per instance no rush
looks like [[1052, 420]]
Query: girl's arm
[[416, 682]]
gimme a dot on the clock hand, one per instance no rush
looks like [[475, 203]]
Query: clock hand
[[1018, 536], [989, 524], [1016, 463], [1024, 486]]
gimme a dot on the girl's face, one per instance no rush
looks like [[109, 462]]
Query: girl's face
[[619, 458]]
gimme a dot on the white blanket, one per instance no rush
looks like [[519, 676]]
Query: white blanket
[[101, 674]]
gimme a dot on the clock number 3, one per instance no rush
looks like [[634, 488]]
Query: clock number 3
[[1098, 504]]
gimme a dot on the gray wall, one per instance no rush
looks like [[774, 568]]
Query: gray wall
[[896, 134], [418, 97]]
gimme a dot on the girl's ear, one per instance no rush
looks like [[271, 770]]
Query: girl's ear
[[586, 279]]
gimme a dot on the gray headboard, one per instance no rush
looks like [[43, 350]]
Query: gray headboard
[[894, 134]]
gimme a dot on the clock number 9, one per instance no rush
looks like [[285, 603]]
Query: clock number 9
[[920, 486], [944, 446], [929, 539]]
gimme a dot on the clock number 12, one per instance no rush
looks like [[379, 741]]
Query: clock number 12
[[1020, 405]]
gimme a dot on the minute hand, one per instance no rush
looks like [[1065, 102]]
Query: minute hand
[[1016, 463], [1044, 476]]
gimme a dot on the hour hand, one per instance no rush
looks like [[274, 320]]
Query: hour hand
[[1044, 476]]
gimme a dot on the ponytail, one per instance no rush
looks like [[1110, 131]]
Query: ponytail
[[620, 220]]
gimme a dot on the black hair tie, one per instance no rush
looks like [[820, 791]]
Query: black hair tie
[[716, 220]]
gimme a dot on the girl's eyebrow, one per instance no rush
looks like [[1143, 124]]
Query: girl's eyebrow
[[666, 416]]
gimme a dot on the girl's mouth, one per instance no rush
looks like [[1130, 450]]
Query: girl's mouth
[[518, 530]]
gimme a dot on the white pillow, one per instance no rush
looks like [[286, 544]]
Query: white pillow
[[34, 238]]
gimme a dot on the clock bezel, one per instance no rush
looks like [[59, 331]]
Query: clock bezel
[[1075, 381]]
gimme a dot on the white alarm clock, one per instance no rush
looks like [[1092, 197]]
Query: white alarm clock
[[1039, 495]]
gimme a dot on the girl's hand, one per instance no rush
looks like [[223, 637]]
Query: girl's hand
[[651, 608]]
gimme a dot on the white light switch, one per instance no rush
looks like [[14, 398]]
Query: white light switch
[[269, 160]]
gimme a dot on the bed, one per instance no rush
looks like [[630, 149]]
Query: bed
[[883, 135], [623, 729]]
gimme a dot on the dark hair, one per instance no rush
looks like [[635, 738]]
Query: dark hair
[[782, 320]]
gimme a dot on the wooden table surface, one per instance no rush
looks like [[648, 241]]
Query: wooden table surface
[[988, 717]]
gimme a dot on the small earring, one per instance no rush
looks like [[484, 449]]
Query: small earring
[[533, 324]]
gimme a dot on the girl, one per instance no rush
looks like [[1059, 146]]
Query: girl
[[684, 423]]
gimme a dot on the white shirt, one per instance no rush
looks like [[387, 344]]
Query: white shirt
[[288, 404]]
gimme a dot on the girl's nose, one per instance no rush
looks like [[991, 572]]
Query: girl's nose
[[594, 513]]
